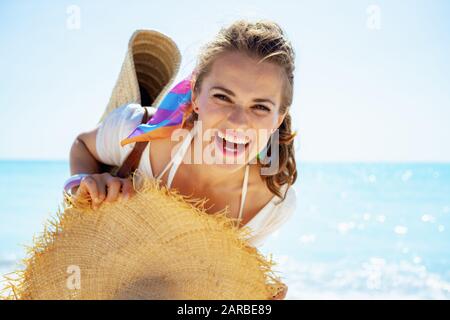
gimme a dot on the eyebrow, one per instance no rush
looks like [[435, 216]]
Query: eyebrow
[[231, 93]]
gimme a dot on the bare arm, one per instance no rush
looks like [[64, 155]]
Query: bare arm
[[99, 185], [83, 155]]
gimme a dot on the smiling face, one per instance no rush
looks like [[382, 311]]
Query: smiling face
[[238, 105]]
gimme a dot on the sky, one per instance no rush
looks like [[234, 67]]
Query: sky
[[371, 81]]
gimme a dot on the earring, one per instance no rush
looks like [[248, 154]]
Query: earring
[[261, 155], [195, 106]]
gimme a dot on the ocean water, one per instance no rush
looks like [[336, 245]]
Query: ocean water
[[361, 230]]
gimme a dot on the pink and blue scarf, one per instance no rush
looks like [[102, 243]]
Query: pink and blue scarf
[[171, 114]]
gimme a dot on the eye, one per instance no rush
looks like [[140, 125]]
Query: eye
[[257, 107], [219, 96], [262, 107]]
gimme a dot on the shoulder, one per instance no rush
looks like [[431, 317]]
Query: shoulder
[[282, 209], [274, 215], [264, 199], [287, 206], [123, 118], [290, 198], [115, 127], [131, 112]]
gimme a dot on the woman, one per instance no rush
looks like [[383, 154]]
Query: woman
[[243, 82]]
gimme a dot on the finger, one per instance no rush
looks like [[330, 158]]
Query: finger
[[127, 189], [88, 188], [282, 294], [113, 186], [101, 192], [89, 185]]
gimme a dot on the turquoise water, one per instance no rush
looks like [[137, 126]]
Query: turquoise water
[[362, 230]]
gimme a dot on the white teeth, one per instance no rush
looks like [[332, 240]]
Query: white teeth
[[231, 138]]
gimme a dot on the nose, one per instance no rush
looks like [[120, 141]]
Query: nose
[[237, 117]]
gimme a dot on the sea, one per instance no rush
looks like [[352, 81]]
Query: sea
[[360, 231]]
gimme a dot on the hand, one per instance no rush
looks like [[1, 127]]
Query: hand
[[104, 187], [281, 294]]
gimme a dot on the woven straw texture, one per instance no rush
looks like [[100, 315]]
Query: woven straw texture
[[157, 245], [150, 65]]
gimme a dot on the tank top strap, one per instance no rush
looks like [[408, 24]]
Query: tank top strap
[[178, 157], [244, 191]]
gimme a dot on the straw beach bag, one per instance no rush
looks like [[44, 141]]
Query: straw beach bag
[[150, 66]]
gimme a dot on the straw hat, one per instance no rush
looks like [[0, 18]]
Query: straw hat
[[150, 66], [159, 244]]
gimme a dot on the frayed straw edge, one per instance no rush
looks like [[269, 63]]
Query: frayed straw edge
[[18, 286]]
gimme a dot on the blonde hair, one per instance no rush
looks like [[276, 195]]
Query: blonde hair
[[263, 40]]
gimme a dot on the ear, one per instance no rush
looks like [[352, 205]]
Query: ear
[[194, 104], [193, 97]]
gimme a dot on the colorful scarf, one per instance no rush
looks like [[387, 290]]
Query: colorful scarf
[[170, 115]]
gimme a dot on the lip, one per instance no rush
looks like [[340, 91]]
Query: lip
[[238, 135], [227, 152]]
